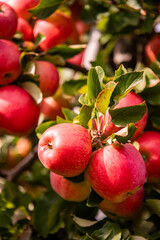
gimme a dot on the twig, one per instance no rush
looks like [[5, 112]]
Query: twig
[[12, 174]]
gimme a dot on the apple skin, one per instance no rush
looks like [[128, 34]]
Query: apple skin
[[149, 143], [19, 112], [152, 49], [70, 191], [8, 21], [57, 29], [65, 149], [52, 107], [25, 28], [22, 7], [10, 65], [17, 152], [48, 77], [130, 99], [116, 171], [127, 209], [77, 59]]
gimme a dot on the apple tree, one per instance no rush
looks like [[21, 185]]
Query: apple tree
[[79, 119]]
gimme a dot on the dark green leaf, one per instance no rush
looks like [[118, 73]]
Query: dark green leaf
[[85, 115], [69, 114], [124, 135], [5, 220], [126, 82], [94, 83], [94, 199], [45, 8], [152, 95], [43, 127], [65, 51], [119, 20], [110, 231], [126, 115], [155, 205], [47, 213], [71, 87]]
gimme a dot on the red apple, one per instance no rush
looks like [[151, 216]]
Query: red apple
[[19, 112], [65, 149], [116, 171], [77, 59], [48, 77], [52, 107], [25, 28], [152, 49], [149, 143], [17, 152], [22, 7], [8, 21], [127, 209], [130, 99], [56, 29], [10, 65], [70, 191]]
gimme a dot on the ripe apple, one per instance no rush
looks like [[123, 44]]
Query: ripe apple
[[22, 7], [127, 209], [116, 171], [48, 77], [9, 58], [56, 29], [65, 149], [77, 59], [19, 112], [149, 143], [8, 21], [52, 107], [130, 99], [17, 152], [70, 191], [25, 28], [152, 49]]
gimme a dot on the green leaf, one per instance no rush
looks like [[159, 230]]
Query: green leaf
[[110, 231], [45, 8], [5, 220], [94, 83], [126, 115], [103, 99], [155, 205], [126, 134], [33, 90], [83, 99], [120, 20], [65, 51], [121, 70], [69, 114], [126, 82], [39, 38], [47, 216], [71, 87], [61, 120], [152, 95], [85, 115], [26, 62], [94, 199], [43, 127]]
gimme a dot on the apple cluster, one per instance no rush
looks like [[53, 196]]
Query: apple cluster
[[19, 111]]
